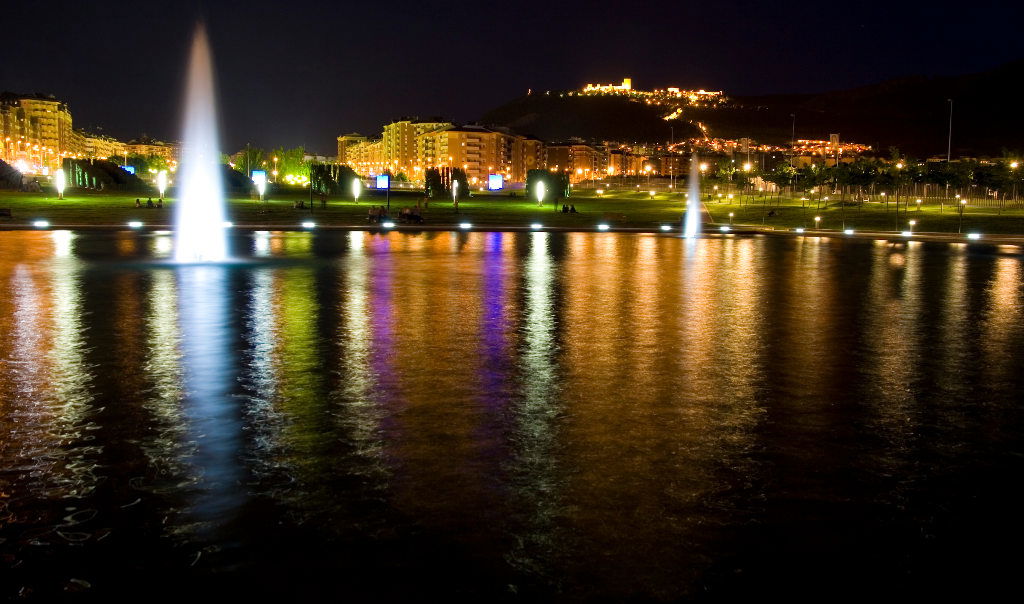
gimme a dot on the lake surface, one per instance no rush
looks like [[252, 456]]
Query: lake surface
[[510, 416]]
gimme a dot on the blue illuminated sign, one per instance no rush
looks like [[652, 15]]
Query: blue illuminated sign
[[383, 181], [129, 169], [495, 182]]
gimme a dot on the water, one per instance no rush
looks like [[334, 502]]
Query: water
[[691, 217], [199, 213], [496, 416]]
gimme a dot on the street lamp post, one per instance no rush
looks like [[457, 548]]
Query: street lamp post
[[960, 225], [356, 188]]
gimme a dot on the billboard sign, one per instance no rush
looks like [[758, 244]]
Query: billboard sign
[[495, 182], [383, 181]]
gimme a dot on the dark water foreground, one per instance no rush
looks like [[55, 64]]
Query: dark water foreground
[[488, 416]]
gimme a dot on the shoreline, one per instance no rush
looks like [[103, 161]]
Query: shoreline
[[741, 230]]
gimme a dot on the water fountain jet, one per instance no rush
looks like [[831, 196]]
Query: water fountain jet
[[199, 216]]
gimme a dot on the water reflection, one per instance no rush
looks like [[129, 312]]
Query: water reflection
[[550, 415], [211, 411]]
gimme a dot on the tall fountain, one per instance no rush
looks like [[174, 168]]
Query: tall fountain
[[691, 218], [199, 217]]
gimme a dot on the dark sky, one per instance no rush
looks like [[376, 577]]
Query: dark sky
[[300, 73]]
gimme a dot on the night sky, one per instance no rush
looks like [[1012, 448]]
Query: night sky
[[300, 73]]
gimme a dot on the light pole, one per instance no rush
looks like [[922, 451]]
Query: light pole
[[356, 188], [817, 222], [912, 223], [963, 204], [540, 193], [949, 140]]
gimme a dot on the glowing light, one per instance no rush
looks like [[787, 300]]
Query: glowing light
[[309, 224], [465, 225], [357, 187], [600, 191], [540, 192], [388, 225], [41, 224], [848, 231], [161, 182], [536, 226], [60, 181], [974, 235], [259, 178], [665, 227], [906, 234], [602, 227], [799, 229], [228, 224], [135, 224], [724, 228]]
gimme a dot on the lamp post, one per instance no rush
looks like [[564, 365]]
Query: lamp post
[[960, 225], [455, 194], [912, 223], [356, 187], [817, 222], [949, 140], [540, 193], [918, 205]]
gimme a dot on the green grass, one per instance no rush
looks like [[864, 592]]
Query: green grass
[[617, 208]]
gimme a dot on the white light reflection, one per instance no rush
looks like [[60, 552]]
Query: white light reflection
[[214, 425]]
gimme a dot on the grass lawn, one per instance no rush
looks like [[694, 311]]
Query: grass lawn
[[617, 208]]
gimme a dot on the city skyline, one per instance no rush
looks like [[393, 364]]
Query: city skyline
[[302, 77]]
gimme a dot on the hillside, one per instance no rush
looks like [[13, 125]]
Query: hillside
[[552, 117], [909, 113]]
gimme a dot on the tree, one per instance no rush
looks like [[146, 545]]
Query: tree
[[556, 184], [433, 184], [249, 159]]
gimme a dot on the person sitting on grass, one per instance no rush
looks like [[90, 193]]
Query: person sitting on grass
[[160, 203], [149, 203], [572, 209], [138, 203]]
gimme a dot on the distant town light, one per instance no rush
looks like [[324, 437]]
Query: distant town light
[[135, 224], [848, 231], [465, 225], [907, 233], [309, 224], [665, 227], [41, 224], [799, 229], [602, 227], [974, 235], [535, 226], [724, 228], [388, 225]]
